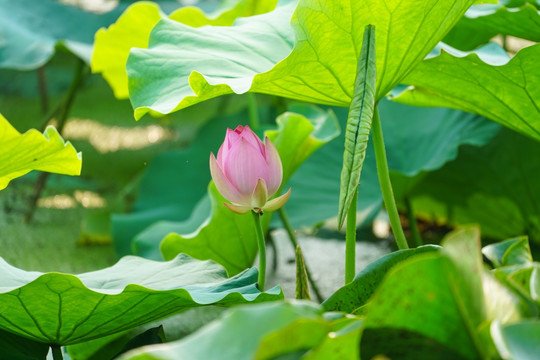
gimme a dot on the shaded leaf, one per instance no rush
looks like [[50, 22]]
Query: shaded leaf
[[32, 29], [224, 237], [65, 309], [485, 82], [356, 294], [509, 252], [405, 315], [194, 65], [358, 124], [478, 188], [481, 23], [22, 153], [417, 140], [109, 347], [265, 331], [517, 341], [15, 347]]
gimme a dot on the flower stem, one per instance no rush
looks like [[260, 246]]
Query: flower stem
[[262, 249], [350, 241], [57, 352], [415, 233], [292, 237], [253, 109], [384, 180]]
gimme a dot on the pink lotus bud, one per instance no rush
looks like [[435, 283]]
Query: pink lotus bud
[[248, 172]]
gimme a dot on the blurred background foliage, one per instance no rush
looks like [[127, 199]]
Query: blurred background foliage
[[448, 167]]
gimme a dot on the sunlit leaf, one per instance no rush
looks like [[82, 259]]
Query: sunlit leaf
[[185, 65], [65, 309], [485, 82], [132, 29], [358, 124], [22, 153]]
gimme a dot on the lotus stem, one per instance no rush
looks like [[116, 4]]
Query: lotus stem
[[262, 249], [386, 184], [57, 352], [350, 241]]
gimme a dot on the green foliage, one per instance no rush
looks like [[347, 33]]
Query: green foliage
[[317, 69], [32, 30], [15, 347], [22, 153], [302, 284], [358, 124], [479, 187], [431, 138], [228, 238], [353, 296], [509, 252], [55, 308], [485, 82], [482, 23], [265, 331], [517, 341], [132, 30], [109, 347], [404, 316]]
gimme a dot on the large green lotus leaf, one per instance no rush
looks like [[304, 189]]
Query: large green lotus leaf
[[417, 140], [517, 341], [229, 238], [477, 187], [484, 82], [22, 153], [356, 294], [481, 23], [132, 29], [185, 65], [514, 251], [224, 237], [65, 309], [31, 29], [263, 331], [15, 347], [404, 316]]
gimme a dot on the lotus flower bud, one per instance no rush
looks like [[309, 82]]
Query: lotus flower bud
[[248, 172]]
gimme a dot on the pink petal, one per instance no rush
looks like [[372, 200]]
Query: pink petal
[[275, 170], [253, 139], [224, 186], [244, 166], [230, 138], [278, 202]]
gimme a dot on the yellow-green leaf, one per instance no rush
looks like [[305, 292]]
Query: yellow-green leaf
[[22, 153]]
